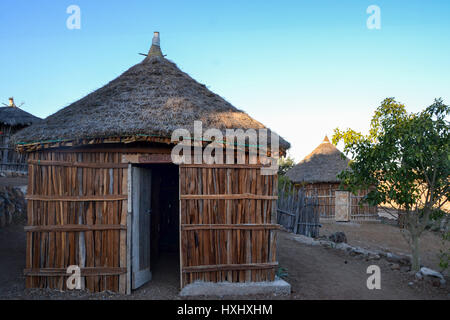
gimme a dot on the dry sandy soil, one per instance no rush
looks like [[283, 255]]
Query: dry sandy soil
[[314, 272], [387, 237]]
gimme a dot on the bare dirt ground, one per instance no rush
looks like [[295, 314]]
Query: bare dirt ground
[[314, 272], [379, 236]]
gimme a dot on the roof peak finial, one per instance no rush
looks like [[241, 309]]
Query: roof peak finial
[[155, 40], [326, 139], [155, 49], [11, 102]]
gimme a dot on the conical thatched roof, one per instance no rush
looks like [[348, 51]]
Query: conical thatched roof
[[14, 116], [153, 97], [321, 165]]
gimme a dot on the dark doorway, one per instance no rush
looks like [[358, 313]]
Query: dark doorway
[[155, 226], [164, 234]]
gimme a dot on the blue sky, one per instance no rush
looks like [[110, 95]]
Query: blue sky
[[300, 67]]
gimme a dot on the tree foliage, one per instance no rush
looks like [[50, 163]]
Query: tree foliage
[[284, 164], [404, 161]]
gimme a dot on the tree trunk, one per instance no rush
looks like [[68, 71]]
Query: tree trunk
[[415, 263]]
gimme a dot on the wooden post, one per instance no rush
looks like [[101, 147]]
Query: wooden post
[[297, 213], [129, 214], [123, 234], [273, 234], [229, 204], [179, 227], [81, 238]]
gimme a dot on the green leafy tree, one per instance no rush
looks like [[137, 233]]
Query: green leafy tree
[[284, 164], [404, 161]]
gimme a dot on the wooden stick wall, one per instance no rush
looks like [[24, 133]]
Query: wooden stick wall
[[77, 215], [325, 193], [10, 160], [228, 223], [77, 210], [325, 197]]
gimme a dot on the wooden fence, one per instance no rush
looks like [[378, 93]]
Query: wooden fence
[[10, 160], [297, 212], [319, 203], [326, 197], [362, 212], [324, 192], [358, 212]]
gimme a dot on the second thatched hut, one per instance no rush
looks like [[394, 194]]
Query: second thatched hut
[[317, 175], [13, 119]]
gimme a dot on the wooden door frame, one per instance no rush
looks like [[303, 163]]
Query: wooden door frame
[[179, 227], [139, 241], [133, 160], [129, 215]]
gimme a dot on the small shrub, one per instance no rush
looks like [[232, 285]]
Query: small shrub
[[282, 272]]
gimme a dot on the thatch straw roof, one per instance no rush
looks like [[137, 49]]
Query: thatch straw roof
[[153, 97], [14, 116], [321, 165]]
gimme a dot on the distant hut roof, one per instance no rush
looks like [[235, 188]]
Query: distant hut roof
[[14, 116], [321, 165], [152, 98]]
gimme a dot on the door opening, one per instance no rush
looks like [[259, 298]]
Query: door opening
[[155, 227]]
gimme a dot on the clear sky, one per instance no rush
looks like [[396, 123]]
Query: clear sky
[[300, 67]]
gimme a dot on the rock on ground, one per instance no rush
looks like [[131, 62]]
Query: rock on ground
[[338, 237]]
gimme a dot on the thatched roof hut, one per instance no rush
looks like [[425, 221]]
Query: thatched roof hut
[[12, 119], [13, 116], [102, 179], [317, 175], [151, 99], [320, 166]]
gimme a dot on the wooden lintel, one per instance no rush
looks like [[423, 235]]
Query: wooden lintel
[[89, 271], [226, 267], [74, 228], [149, 158], [116, 149], [104, 165], [155, 158], [226, 196], [106, 197], [130, 158], [224, 166], [186, 227]]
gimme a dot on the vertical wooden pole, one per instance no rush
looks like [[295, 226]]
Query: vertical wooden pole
[[123, 234], [273, 234], [297, 213], [180, 175], [29, 252], [81, 237], [229, 204], [129, 213]]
